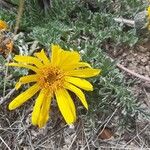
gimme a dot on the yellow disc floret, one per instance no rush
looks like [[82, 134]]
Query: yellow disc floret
[[51, 78]]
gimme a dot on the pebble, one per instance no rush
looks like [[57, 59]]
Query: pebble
[[147, 68], [142, 49], [144, 60]]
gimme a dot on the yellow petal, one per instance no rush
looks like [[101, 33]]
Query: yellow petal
[[26, 79], [84, 73], [42, 56], [3, 25], [69, 57], [55, 56], [18, 85], [24, 66], [81, 83], [76, 66], [148, 11], [44, 112], [37, 107], [28, 60], [23, 97], [61, 57], [78, 92], [66, 105]]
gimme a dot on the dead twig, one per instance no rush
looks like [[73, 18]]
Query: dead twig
[[133, 73], [7, 96], [137, 135], [75, 137], [19, 15], [5, 143], [128, 22]]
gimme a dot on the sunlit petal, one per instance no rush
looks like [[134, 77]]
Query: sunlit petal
[[42, 56], [78, 92], [44, 112], [83, 73], [26, 79], [23, 97], [38, 107], [75, 66], [23, 66], [69, 57], [66, 105], [55, 56], [81, 83], [28, 60]]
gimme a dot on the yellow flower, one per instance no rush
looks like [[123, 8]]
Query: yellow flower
[[3, 25], [148, 12], [54, 78], [148, 18]]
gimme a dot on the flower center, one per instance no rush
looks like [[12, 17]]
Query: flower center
[[50, 78]]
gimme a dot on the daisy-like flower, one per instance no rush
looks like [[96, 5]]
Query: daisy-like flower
[[3, 25], [54, 78], [148, 18], [148, 12]]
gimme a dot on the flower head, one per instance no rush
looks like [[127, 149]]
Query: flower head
[[6, 45], [3, 25], [148, 18], [54, 78], [148, 11]]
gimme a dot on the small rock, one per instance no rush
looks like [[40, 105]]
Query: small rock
[[140, 70], [124, 54], [147, 68], [144, 60], [146, 76], [142, 49]]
